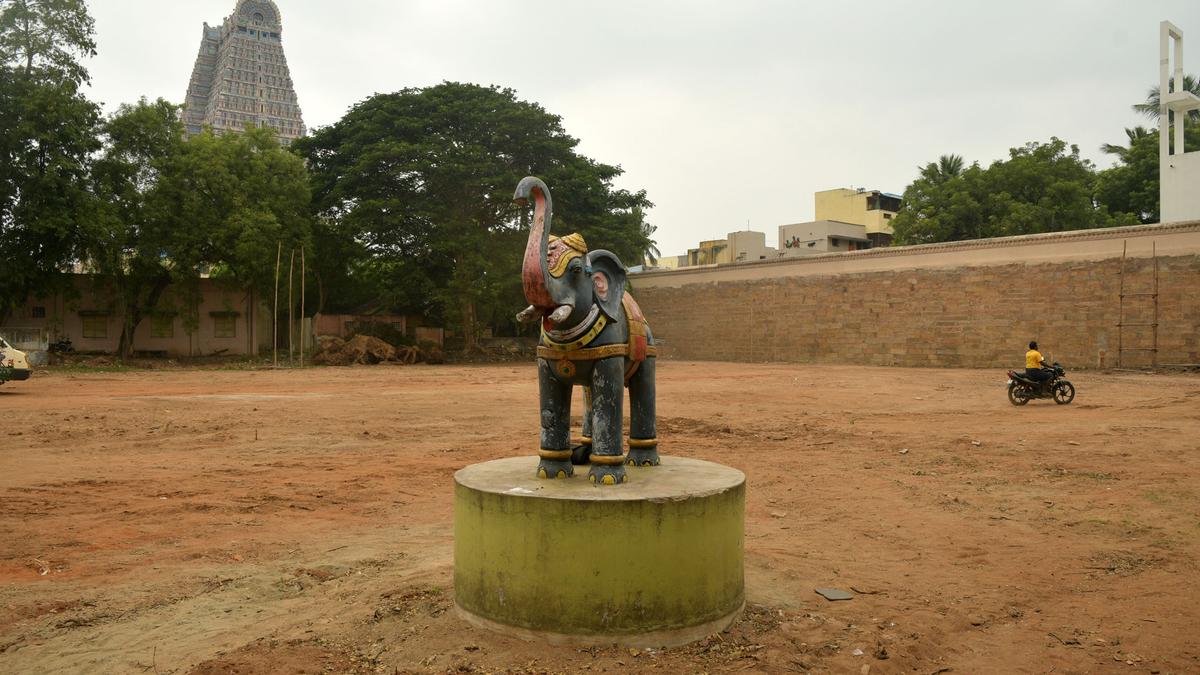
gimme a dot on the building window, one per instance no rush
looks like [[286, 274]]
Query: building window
[[835, 241], [95, 326], [887, 216], [162, 327], [38, 312], [224, 324]]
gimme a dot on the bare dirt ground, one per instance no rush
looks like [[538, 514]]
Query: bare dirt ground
[[301, 521]]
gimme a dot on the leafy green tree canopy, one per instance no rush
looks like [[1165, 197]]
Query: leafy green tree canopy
[[421, 181], [229, 201], [1041, 187], [129, 241], [1131, 186], [47, 136], [47, 37]]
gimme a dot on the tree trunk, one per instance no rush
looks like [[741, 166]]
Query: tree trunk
[[461, 284], [125, 346], [28, 42], [134, 314], [470, 343]]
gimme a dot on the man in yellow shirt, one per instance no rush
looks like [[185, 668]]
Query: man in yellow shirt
[[1033, 364]]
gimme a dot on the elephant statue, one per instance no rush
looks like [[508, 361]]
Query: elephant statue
[[593, 334]]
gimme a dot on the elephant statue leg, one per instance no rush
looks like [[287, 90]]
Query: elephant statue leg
[[608, 399], [555, 395], [581, 453], [643, 441]]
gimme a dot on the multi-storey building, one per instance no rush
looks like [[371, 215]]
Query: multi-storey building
[[737, 247], [241, 76], [872, 209], [821, 236]]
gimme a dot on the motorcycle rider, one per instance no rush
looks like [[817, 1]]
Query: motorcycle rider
[[1033, 365]]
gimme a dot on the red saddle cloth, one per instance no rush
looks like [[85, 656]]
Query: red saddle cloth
[[638, 346]]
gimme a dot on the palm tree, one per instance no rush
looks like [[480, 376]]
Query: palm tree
[[1151, 106], [1133, 134], [947, 167], [650, 252], [950, 166]]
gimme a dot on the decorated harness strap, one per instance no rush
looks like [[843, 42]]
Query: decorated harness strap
[[636, 350]]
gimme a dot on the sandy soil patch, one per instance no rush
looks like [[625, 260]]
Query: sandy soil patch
[[301, 521]]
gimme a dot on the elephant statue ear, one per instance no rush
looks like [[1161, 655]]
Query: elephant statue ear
[[608, 281]]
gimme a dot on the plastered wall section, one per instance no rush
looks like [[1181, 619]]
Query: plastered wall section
[[62, 317], [972, 304]]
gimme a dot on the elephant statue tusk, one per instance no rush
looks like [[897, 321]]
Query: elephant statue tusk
[[530, 314], [560, 315]]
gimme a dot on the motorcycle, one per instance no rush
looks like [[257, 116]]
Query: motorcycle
[[1021, 389], [62, 346]]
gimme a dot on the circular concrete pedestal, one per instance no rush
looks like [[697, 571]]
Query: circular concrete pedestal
[[654, 562]]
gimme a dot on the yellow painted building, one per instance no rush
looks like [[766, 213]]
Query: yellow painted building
[[872, 209], [671, 262], [749, 245], [709, 252]]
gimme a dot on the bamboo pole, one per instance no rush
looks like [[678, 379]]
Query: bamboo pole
[[303, 333], [275, 311], [250, 322], [291, 304]]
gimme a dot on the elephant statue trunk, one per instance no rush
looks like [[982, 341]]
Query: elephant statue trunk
[[534, 271], [548, 296]]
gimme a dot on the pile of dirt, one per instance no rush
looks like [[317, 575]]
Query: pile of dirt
[[431, 352], [369, 350], [358, 349]]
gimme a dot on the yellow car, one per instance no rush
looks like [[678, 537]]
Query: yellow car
[[13, 364]]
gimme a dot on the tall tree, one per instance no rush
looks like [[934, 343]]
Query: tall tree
[[422, 180], [1041, 187], [49, 37], [229, 201], [47, 136], [129, 242]]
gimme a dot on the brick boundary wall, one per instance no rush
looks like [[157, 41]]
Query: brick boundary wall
[[972, 304]]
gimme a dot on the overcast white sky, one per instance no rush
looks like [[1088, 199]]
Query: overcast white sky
[[727, 113]]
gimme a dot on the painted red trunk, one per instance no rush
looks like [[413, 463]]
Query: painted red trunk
[[534, 271]]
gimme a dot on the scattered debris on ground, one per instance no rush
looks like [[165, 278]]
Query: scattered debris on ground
[[369, 350], [833, 594], [360, 349]]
